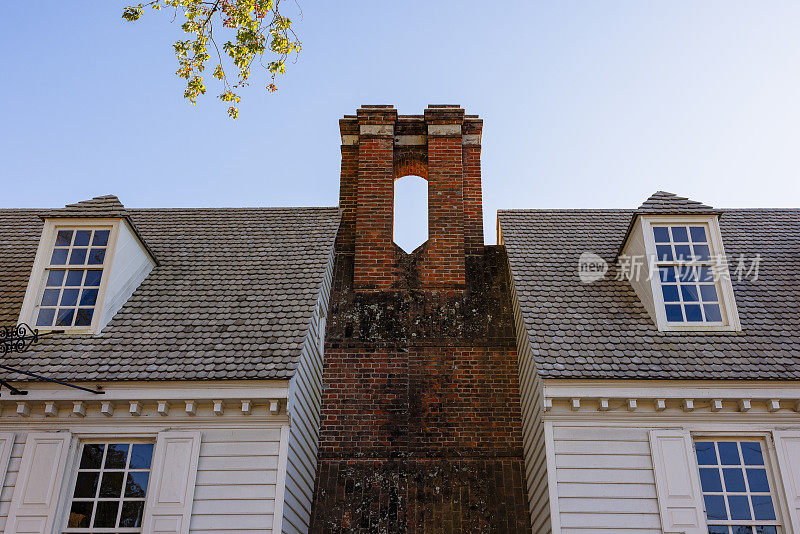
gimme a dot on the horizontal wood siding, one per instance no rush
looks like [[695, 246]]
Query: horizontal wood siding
[[605, 480], [236, 476], [305, 393], [532, 428]]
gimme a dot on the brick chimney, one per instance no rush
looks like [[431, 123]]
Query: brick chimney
[[378, 147]]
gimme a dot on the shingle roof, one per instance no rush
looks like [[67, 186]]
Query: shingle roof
[[104, 206], [232, 297], [664, 202], [601, 330]]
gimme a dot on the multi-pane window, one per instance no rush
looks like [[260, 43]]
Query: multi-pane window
[[736, 487], [72, 278], [685, 268], [110, 488]]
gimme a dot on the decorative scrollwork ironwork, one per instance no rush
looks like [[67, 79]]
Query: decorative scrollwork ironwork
[[18, 338]]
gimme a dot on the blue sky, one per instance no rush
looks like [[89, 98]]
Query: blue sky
[[585, 103]]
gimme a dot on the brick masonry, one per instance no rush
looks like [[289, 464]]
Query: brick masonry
[[421, 423]]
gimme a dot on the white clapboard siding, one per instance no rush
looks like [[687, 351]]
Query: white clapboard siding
[[236, 476], [304, 404], [11, 476], [533, 438], [605, 480]]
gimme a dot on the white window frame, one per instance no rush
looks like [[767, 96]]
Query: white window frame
[[727, 303], [75, 469], [770, 464], [33, 294]]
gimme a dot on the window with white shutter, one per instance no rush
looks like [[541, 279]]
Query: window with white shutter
[[168, 507], [677, 485], [38, 488], [787, 446]]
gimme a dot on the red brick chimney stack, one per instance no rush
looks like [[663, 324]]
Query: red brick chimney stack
[[378, 147]]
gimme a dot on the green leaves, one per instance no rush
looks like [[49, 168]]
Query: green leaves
[[257, 27]]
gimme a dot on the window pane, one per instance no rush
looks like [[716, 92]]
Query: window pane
[[706, 454], [84, 317], [55, 277], [766, 530], [79, 514], [757, 479], [742, 529], [698, 234], [64, 317], [674, 313], [106, 515], [693, 313], [702, 252], [762, 507], [93, 278], [708, 293], [63, 238], [111, 485], [729, 453], [667, 274], [88, 297], [69, 297], [689, 293], [74, 277], [715, 507], [683, 252], [661, 234], [45, 317], [752, 453], [734, 479], [141, 456], [86, 485], [59, 256], [82, 238], [709, 480], [50, 297], [712, 313], [718, 529], [670, 293], [117, 456], [92, 456], [679, 234], [132, 512], [664, 252], [739, 507], [136, 485], [78, 256], [686, 273], [96, 256], [705, 274], [100, 238]]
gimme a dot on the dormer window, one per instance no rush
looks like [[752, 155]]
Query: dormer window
[[90, 260], [674, 259], [72, 277], [686, 274]]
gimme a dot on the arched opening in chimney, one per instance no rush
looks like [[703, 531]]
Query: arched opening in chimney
[[410, 212]]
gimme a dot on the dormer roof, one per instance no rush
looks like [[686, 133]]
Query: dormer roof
[[102, 206], [664, 203]]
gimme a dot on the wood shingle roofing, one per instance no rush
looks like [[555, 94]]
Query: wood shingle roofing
[[232, 297], [602, 331]]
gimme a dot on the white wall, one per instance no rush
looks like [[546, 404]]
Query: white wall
[[533, 438], [130, 265], [238, 464], [304, 404]]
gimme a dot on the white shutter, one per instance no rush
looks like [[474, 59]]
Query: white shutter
[[677, 482], [787, 445], [168, 508], [38, 488], [6, 444]]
